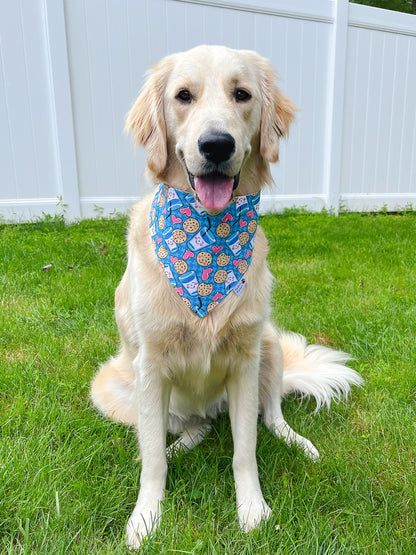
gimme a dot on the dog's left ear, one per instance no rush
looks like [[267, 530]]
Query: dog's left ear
[[146, 119], [276, 115]]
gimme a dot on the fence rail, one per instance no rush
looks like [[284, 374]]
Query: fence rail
[[70, 69]]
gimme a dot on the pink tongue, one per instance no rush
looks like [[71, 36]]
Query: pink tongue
[[214, 192]]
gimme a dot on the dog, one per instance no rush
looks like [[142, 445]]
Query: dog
[[193, 345]]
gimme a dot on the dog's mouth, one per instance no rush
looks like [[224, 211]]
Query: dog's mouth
[[214, 190]]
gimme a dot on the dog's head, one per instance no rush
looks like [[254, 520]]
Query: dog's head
[[210, 120]]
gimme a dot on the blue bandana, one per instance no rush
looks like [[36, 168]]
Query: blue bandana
[[204, 256]]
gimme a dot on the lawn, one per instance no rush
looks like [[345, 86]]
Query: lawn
[[69, 478]]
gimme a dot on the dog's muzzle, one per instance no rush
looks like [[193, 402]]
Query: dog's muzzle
[[214, 187]]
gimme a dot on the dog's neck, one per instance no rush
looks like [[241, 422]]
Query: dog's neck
[[205, 256]]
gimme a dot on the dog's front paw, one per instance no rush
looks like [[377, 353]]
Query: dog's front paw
[[142, 522], [251, 512]]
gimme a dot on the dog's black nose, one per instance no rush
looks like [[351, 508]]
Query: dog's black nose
[[216, 146]]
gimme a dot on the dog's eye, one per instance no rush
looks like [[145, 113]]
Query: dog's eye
[[184, 96], [241, 95]]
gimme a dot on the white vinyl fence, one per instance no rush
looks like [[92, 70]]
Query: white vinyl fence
[[70, 70]]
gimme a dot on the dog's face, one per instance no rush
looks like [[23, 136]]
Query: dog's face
[[210, 120]]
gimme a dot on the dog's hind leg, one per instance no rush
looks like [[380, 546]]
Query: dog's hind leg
[[270, 393], [191, 436], [112, 389]]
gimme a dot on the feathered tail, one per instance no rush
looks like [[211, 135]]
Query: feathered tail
[[315, 371]]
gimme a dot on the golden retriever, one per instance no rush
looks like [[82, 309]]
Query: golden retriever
[[210, 120]]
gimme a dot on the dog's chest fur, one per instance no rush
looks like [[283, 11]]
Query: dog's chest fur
[[198, 369]]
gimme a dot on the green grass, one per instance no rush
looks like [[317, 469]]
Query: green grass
[[69, 478]]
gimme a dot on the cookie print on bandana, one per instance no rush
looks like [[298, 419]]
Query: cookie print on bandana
[[204, 256]]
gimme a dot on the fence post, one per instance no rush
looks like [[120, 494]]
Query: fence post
[[61, 106], [335, 111]]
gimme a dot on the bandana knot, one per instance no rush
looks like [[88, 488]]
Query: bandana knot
[[204, 256]]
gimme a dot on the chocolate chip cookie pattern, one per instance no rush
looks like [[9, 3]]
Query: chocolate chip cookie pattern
[[204, 256]]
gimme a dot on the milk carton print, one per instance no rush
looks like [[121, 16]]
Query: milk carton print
[[234, 243], [202, 239], [174, 201], [200, 311], [168, 272], [230, 280], [190, 282], [241, 204], [167, 236], [195, 205]]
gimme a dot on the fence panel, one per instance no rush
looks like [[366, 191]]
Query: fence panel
[[379, 134], [28, 162]]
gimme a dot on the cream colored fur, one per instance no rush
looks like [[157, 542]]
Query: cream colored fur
[[176, 371]]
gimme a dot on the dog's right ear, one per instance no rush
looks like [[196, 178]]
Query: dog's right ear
[[277, 114], [146, 119]]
